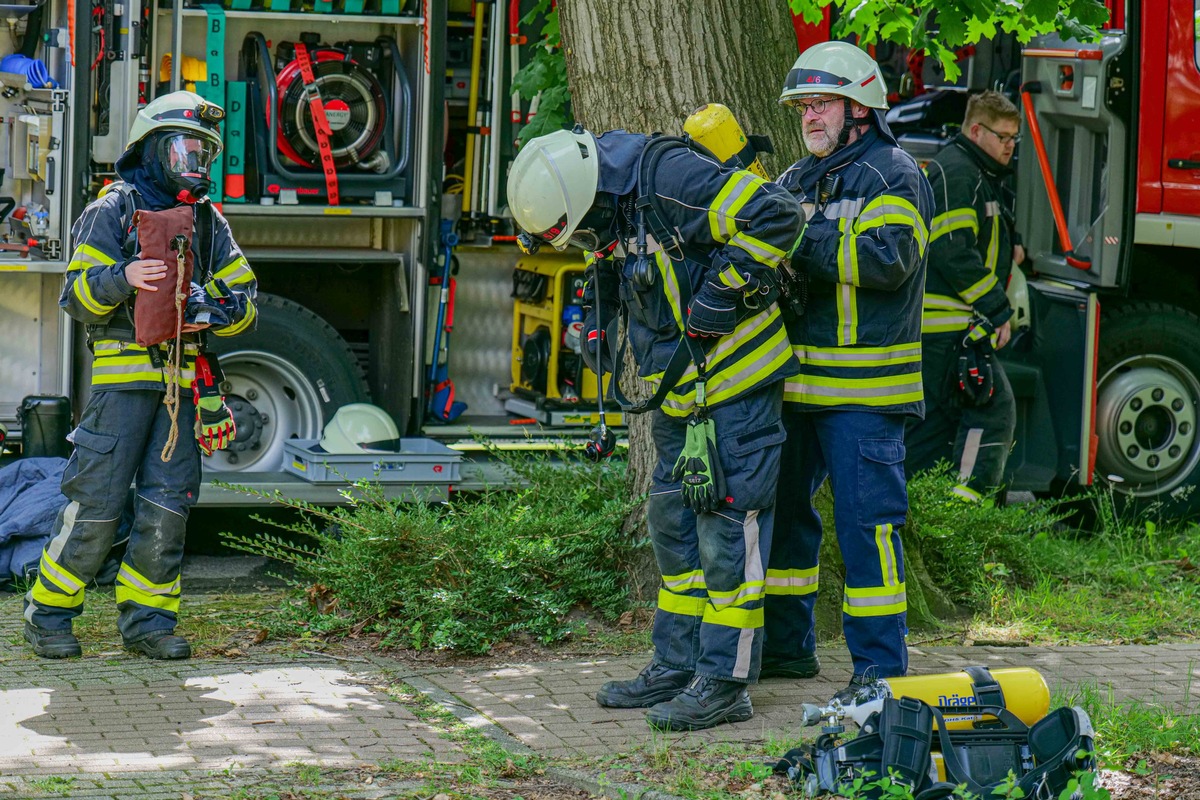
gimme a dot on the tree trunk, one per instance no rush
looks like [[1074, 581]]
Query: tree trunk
[[644, 65]]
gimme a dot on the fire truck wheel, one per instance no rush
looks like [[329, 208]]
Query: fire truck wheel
[[283, 380], [1148, 403]]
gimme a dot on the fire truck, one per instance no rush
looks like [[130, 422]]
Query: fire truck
[[411, 89], [1106, 363]]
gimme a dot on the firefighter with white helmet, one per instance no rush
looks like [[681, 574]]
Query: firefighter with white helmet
[[686, 249], [862, 262], [122, 432]]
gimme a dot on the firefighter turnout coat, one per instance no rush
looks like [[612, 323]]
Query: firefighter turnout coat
[[971, 240], [863, 252]]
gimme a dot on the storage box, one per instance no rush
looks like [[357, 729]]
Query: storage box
[[417, 461]]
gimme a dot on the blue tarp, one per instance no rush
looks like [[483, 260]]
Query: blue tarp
[[29, 504]]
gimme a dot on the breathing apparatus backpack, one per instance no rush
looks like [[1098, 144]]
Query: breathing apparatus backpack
[[908, 741]]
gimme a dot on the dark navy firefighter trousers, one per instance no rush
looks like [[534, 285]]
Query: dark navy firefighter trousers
[[120, 437], [862, 454], [710, 605]]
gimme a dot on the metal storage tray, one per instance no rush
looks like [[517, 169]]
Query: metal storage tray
[[418, 460]]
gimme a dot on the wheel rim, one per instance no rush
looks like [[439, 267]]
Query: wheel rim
[[1146, 422], [272, 402]]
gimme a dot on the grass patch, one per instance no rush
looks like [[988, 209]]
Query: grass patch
[[1133, 728]]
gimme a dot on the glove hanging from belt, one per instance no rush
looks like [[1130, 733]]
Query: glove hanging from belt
[[976, 386], [698, 468], [215, 426]]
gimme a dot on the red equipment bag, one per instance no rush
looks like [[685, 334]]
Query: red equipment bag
[[162, 234]]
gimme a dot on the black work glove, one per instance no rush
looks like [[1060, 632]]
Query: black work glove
[[713, 311], [698, 468], [976, 384], [603, 343], [609, 289]]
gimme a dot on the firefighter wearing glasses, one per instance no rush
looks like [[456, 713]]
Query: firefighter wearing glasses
[[858, 342], [122, 431], [693, 272], [972, 246]]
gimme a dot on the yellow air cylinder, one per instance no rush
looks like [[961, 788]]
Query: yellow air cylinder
[[1025, 693], [714, 127]]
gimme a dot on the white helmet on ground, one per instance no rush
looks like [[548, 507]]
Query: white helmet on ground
[[356, 425], [837, 68], [552, 185]]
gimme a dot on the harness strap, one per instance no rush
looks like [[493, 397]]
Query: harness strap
[[987, 689], [320, 122]]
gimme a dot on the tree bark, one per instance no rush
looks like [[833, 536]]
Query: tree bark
[[644, 65]]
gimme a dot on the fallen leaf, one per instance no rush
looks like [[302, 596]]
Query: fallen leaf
[[626, 619], [260, 637]]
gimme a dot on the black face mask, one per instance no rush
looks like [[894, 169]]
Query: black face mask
[[595, 231]]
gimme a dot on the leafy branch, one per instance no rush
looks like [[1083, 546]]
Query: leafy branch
[[939, 27], [544, 77]]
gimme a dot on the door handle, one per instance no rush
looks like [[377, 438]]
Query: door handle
[[1183, 163]]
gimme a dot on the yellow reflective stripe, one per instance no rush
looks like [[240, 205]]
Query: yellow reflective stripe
[[732, 277], [847, 314], [847, 256], [824, 391], [131, 577], [740, 187], [746, 372], [745, 593], [966, 493], [235, 272], [793, 581], [135, 587], [238, 327], [859, 356], [993, 246], [734, 616], [979, 288], [45, 597], [686, 580], [87, 256], [58, 575], [766, 254], [888, 209], [682, 604], [943, 322], [953, 220], [887, 555], [878, 601], [941, 301], [671, 283], [83, 293]]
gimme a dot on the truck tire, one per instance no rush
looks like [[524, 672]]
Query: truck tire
[[1147, 406], [283, 380]]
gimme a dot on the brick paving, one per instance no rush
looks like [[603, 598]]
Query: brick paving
[[113, 726], [551, 707]]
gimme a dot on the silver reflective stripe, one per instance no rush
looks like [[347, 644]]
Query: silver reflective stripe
[[794, 581], [966, 466], [843, 209], [856, 391], [722, 215], [871, 602], [752, 571], [127, 577], [850, 354]]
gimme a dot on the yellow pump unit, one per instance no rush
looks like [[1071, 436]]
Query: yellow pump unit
[[547, 323], [713, 127]]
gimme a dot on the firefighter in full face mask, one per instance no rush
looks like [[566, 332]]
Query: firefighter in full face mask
[[858, 343], [124, 430], [686, 249]]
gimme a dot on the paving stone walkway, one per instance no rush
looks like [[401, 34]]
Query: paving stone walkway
[[117, 726]]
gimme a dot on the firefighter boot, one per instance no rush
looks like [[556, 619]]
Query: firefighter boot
[[856, 686], [52, 644], [655, 684], [804, 667], [164, 645], [704, 703]]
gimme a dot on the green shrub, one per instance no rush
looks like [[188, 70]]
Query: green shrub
[[961, 543], [470, 572]]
